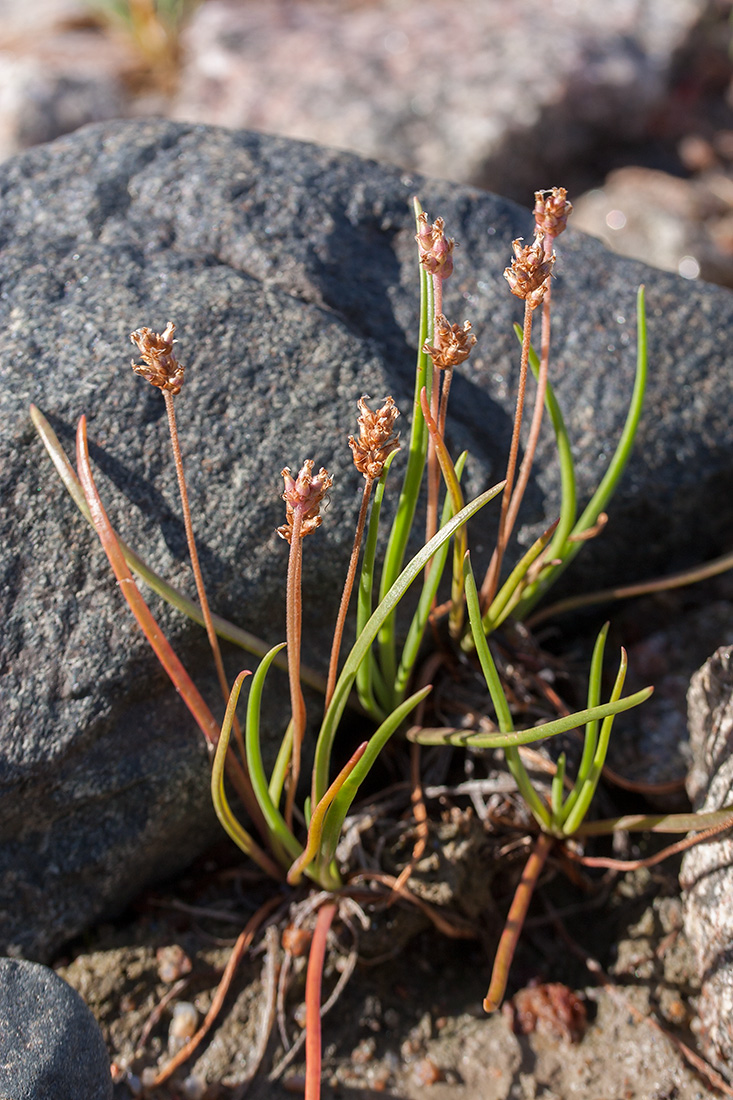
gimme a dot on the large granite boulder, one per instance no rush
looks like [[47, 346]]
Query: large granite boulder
[[290, 272]]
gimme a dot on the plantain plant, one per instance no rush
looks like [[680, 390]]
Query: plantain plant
[[287, 839]]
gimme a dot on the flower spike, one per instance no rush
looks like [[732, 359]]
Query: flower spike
[[529, 271], [453, 344], [551, 211], [304, 495], [376, 440], [159, 365], [435, 249]]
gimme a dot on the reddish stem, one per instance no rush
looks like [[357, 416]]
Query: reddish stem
[[313, 983], [491, 580], [159, 643], [515, 921], [539, 408], [346, 595], [195, 565], [294, 626]]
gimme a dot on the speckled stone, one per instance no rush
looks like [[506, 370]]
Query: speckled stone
[[50, 1044]]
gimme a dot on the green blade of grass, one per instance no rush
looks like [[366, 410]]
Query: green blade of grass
[[273, 818], [345, 797], [416, 456], [591, 730], [367, 672], [590, 784], [498, 698], [419, 622], [370, 631], [474, 740], [611, 478], [226, 630], [223, 810]]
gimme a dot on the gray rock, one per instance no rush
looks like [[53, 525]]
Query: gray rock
[[50, 1044], [491, 94], [707, 870], [290, 272]]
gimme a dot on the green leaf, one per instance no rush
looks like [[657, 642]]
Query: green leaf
[[475, 740], [273, 818], [611, 478], [171, 595], [345, 797], [419, 623], [370, 631]]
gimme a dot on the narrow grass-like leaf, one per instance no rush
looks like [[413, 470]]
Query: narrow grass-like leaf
[[419, 623], [280, 769], [416, 456], [366, 674], [498, 698], [454, 491], [473, 739], [161, 647], [588, 787], [315, 827], [591, 730], [657, 823], [237, 832], [558, 781], [346, 795], [611, 478], [369, 633], [273, 818], [226, 630]]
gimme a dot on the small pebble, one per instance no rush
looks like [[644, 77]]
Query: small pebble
[[425, 1072], [182, 1026]]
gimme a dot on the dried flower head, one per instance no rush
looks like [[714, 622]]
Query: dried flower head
[[304, 495], [436, 250], [551, 211], [453, 344], [159, 365], [377, 440], [530, 269]]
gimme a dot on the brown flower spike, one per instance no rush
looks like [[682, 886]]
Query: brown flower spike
[[453, 344], [434, 247], [529, 271], [551, 211], [304, 494], [159, 365], [376, 440]]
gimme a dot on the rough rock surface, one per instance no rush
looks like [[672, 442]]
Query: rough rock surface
[[489, 93], [707, 870], [290, 273], [50, 1044]]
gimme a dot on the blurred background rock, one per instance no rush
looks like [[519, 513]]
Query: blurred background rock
[[627, 103]]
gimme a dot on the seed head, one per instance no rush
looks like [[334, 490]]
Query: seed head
[[530, 269], [159, 365], [435, 249], [376, 440], [453, 344], [303, 494], [551, 211]]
